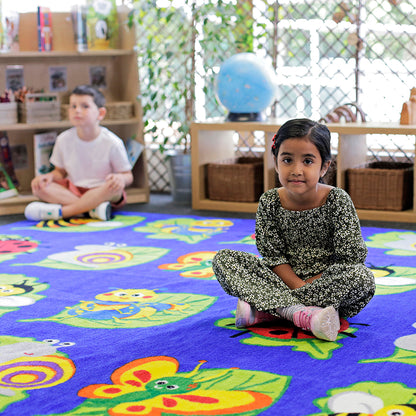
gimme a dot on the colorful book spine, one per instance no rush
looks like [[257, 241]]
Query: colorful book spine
[[7, 187], [79, 22], [11, 36], [8, 179], [44, 29]]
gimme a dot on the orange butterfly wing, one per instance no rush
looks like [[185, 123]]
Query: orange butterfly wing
[[132, 376]]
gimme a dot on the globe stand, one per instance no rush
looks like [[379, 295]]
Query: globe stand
[[245, 117]]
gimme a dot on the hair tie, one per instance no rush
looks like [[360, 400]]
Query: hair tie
[[274, 142]]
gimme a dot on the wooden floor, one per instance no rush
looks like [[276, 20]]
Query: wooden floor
[[162, 203]]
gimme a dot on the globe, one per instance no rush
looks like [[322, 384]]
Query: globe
[[245, 86]]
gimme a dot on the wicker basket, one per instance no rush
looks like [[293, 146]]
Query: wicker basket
[[239, 179], [119, 110], [382, 186]]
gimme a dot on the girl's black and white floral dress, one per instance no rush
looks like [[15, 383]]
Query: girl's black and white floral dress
[[325, 239]]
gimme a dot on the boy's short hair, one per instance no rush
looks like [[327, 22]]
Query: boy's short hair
[[93, 92]]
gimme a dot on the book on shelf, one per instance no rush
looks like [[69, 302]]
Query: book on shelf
[[79, 24], [6, 157], [102, 24], [8, 179], [42, 146], [11, 35], [134, 150], [7, 187], [44, 29]]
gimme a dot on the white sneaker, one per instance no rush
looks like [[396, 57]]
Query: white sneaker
[[322, 322], [38, 211], [246, 315], [102, 212]]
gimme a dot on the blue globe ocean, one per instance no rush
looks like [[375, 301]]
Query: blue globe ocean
[[245, 86]]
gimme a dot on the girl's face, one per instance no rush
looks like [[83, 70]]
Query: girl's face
[[299, 166]]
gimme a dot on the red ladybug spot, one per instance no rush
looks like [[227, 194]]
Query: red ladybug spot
[[280, 329], [283, 329], [344, 324]]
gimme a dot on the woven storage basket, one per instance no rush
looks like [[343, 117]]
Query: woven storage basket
[[381, 185], [120, 110], [239, 179]]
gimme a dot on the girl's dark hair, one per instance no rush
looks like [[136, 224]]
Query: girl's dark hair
[[317, 133], [93, 92]]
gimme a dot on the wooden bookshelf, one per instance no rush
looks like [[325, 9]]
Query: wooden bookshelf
[[122, 85]]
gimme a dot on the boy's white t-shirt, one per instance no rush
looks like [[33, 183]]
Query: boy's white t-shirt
[[88, 163]]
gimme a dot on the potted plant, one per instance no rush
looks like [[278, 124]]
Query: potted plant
[[167, 66]]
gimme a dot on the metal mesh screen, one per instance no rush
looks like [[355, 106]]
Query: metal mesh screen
[[325, 53]]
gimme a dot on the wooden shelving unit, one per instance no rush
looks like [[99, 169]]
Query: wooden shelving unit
[[212, 141], [122, 85]]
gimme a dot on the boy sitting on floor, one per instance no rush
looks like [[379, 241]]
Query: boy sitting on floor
[[91, 166]]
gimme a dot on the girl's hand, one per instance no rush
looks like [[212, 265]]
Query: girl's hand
[[311, 279], [288, 276]]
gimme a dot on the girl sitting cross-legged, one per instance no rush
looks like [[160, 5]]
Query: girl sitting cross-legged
[[311, 269]]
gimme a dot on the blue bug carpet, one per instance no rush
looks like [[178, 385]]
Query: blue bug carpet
[[125, 317]]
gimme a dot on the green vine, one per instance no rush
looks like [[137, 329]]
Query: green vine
[[170, 42]]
